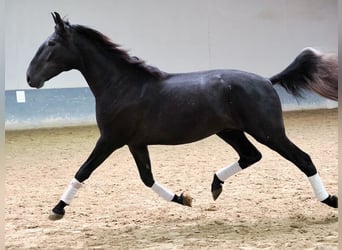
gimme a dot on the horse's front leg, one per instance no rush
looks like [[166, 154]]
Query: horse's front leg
[[142, 159], [101, 151]]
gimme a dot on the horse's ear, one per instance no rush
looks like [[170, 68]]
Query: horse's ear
[[60, 26]]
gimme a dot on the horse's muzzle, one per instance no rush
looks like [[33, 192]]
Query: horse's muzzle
[[32, 83]]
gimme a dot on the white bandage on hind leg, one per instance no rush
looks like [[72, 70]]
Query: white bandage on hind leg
[[224, 173], [318, 187], [162, 191], [71, 191]]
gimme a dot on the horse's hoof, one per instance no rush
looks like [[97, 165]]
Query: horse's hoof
[[331, 201], [187, 200], [54, 216], [216, 193], [216, 187], [183, 199]]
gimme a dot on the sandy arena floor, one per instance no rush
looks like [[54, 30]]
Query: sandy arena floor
[[268, 206]]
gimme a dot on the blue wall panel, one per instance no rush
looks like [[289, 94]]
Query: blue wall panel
[[76, 106], [50, 108]]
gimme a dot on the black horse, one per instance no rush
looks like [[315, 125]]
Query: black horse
[[139, 105]]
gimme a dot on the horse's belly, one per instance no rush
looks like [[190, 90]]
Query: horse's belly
[[167, 138], [179, 130]]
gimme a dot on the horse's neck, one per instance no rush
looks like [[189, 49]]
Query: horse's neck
[[100, 72]]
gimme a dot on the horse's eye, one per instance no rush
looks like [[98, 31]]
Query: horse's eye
[[51, 43]]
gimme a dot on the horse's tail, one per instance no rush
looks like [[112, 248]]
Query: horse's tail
[[311, 70]]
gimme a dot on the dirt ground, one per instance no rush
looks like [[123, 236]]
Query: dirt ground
[[268, 206]]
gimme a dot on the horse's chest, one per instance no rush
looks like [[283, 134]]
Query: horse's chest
[[118, 118]]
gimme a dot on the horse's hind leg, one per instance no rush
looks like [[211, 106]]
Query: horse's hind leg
[[142, 159], [281, 144], [248, 155]]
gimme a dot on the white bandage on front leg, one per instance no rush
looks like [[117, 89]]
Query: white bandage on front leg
[[162, 191], [71, 191], [318, 187], [224, 173]]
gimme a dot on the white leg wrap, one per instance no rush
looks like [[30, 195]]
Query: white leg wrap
[[224, 173], [162, 191], [71, 191], [318, 187]]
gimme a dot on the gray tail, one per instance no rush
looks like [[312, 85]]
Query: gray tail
[[311, 70]]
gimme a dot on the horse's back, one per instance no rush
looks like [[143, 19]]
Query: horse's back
[[234, 89]]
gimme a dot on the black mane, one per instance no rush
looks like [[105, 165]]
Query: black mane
[[114, 50]]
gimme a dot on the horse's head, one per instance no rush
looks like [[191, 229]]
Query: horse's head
[[55, 55]]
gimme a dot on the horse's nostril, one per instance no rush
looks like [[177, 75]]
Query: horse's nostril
[[28, 79]]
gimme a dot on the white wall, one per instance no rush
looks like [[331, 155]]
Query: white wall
[[261, 36]]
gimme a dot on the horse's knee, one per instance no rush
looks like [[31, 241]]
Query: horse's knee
[[247, 160]]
